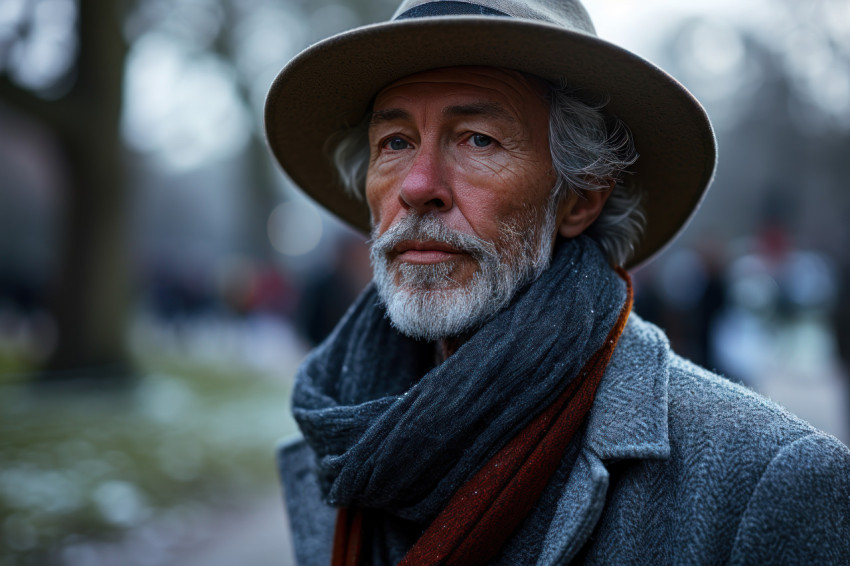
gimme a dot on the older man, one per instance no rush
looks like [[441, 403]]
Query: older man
[[491, 398]]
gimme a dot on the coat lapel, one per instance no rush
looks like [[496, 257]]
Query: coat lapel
[[628, 421]]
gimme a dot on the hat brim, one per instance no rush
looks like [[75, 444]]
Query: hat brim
[[330, 86]]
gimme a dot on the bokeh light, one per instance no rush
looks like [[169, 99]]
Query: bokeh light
[[40, 58], [182, 106], [295, 227]]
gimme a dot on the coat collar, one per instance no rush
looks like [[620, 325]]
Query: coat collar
[[628, 420], [629, 417]]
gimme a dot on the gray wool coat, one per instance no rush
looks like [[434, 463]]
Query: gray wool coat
[[675, 466]]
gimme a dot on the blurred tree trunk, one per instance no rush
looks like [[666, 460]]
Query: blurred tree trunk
[[89, 292]]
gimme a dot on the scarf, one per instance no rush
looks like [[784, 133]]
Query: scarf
[[393, 434]]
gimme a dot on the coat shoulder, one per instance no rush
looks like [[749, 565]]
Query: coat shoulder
[[740, 481], [799, 512], [709, 407], [776, 487]]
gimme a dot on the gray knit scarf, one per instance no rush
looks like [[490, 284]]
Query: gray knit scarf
[[392, 432]]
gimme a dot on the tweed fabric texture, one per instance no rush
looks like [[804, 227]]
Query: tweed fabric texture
[[676, 465], [386, 439]]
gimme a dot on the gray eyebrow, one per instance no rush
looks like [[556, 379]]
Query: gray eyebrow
[[388, 115], [476, 109]]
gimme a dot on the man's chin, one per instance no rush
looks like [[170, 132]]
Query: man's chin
[[429, 314], [437, 313], [429, 277]]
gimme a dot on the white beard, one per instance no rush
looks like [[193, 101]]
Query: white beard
[[424, 302]]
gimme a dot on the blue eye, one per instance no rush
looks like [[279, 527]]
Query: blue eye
[[396, 144], [480, 140]]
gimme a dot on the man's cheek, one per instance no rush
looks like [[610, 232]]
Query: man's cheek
[[377, 215]]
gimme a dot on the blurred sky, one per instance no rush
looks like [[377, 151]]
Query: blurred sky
[[167, 72], [807, 36]]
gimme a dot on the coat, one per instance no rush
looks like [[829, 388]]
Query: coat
[[676, 465]]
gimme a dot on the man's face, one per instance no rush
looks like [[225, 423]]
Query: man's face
[[458, 184]]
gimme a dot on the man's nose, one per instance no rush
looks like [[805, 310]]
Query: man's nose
[[426, 187]]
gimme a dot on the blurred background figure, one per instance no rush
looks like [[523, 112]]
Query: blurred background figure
[[329, 292], [160, 280]]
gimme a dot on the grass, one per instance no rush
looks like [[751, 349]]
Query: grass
[[86, 466]]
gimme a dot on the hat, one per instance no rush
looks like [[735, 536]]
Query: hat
[[330, 86]]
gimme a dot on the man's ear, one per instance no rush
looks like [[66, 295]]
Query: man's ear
[[577, 212]]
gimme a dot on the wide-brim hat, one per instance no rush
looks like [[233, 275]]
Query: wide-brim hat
[[330, 86]]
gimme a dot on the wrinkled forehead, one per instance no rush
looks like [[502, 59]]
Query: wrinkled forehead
[[521, 93]]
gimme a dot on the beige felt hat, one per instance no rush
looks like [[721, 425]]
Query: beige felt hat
[[330, 86]]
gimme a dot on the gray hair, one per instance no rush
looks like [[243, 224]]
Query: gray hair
[[590, 151]]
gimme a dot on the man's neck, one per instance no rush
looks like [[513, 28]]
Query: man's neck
[[448, 346]]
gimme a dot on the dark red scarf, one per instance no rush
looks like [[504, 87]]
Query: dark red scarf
[[483, 514]]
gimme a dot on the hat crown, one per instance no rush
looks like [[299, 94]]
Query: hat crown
[[569, 14]]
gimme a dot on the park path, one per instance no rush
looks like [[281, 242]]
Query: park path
[[257, 535]]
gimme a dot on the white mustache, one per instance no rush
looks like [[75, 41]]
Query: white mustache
[[427, 227]]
